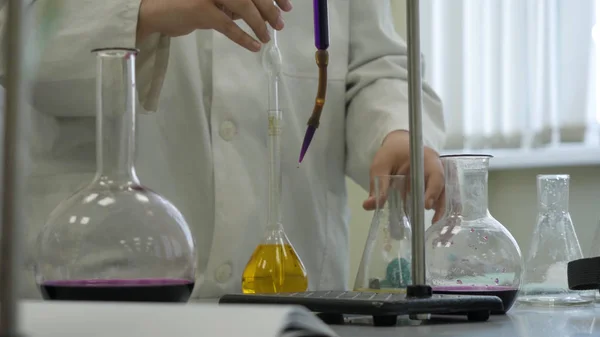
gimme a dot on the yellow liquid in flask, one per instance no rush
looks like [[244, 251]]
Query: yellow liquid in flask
[[274, 268]]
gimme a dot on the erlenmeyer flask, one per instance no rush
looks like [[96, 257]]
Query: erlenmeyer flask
[[385, 263], [274, 267], [468, 251], [595, 252], [116, 240], [553, 245]]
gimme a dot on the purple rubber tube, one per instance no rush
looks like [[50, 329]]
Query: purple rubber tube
[[321, 18]]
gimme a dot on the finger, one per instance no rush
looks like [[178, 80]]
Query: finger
[[227, 12], [249, 13], [368, 204], [270, 13], [440, 208], [285, 5], [404, 193], [379, 184], [226, 26], [408, 184], [433, 188], [404, 171]]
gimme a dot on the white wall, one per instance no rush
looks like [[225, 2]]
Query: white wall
[[512, 196]]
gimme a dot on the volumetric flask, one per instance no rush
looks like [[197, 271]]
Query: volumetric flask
[[554, 244], [469, 252], [274, 266], [385, 264], [115, 240]]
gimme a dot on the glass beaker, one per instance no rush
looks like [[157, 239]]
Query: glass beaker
[[116, 240], [385, 264], [553, 246], [468, 251]]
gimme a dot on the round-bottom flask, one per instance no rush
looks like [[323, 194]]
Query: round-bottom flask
[[115, 240], [469, 252]]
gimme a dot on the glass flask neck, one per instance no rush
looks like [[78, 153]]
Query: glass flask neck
[[115, 116], [274, 234], [272, 65], [395, 192], [553, 193], [466, 186]]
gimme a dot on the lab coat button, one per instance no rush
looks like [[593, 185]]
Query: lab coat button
[[227, 130], [223, 273]]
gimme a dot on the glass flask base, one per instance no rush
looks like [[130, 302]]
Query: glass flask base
[[137, 290], [557, 300], [274, 268], [382, 290], [508, 295], [397, 278], [596, 296], [590, 295]]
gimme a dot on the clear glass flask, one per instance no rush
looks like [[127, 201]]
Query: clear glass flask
[[274, 266], [594, 251], [116, 240], [385, 264], [553, 245], [468, 251]]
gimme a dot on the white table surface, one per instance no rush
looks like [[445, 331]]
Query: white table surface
[[520, 322], [130, 320]]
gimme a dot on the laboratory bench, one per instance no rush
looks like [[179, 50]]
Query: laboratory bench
[[132, 320], [519, 322]]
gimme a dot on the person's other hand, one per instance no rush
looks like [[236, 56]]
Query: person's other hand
[[393, 158], [181, 17]]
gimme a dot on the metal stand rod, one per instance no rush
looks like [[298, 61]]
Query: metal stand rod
[[13, 175], [416, 142]]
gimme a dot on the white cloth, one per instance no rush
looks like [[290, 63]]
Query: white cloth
[[204, 145]]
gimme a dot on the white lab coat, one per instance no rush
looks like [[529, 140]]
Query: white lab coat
[[203, 139]]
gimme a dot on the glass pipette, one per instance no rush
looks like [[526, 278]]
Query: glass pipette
[[321, 22]]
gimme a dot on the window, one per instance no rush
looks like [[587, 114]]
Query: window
[[518, 78]]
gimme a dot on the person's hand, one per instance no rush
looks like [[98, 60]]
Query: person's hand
[[181, 17], [393, 158]]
